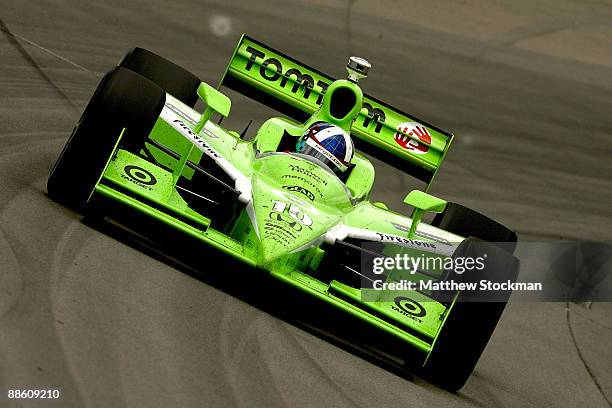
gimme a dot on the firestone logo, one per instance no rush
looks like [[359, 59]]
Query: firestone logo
[[413, 129]]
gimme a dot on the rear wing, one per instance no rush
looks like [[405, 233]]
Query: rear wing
[[296, 90]]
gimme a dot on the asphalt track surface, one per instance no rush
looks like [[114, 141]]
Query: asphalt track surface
[[526, 87]]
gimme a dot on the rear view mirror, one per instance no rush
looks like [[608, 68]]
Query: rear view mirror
[[422, 202], [215, 102]]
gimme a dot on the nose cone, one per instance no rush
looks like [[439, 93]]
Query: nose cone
[[285, 226], [272, 247], [286, 223], [295, 201]]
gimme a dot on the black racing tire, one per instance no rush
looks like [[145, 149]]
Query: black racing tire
[[466, 222], [174, 79], [472, 319], [123, 99]]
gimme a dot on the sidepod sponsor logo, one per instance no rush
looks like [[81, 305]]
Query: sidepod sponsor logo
[[404, 228], [405, 241], [197, 139]]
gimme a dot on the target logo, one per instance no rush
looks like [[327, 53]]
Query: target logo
[[140, 175], [413, 129], [409, 307]]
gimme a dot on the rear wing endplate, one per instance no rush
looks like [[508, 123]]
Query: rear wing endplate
[[296, 90]]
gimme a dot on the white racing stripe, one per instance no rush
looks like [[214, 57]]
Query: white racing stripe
[[241, 182], [342, 232]]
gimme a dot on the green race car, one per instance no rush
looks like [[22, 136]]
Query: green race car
[[294, 200]]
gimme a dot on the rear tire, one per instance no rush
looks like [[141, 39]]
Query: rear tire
[[174, 79], [466, 222], [123, 99], [471, 321]]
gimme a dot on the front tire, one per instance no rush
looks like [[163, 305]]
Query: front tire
[[472, 318], [123, 99], [466, 222], [174, 79]]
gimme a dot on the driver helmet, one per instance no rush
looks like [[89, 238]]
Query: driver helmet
[[329, 144]]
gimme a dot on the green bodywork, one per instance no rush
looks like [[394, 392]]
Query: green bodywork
[[290, 202]]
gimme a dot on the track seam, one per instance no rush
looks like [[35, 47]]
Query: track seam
[[26, 55], [581, 357], [56, 55]]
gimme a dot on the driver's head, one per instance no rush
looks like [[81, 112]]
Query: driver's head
[[329, 144]]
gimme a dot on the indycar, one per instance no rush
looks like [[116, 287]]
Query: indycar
[[141, 145]]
